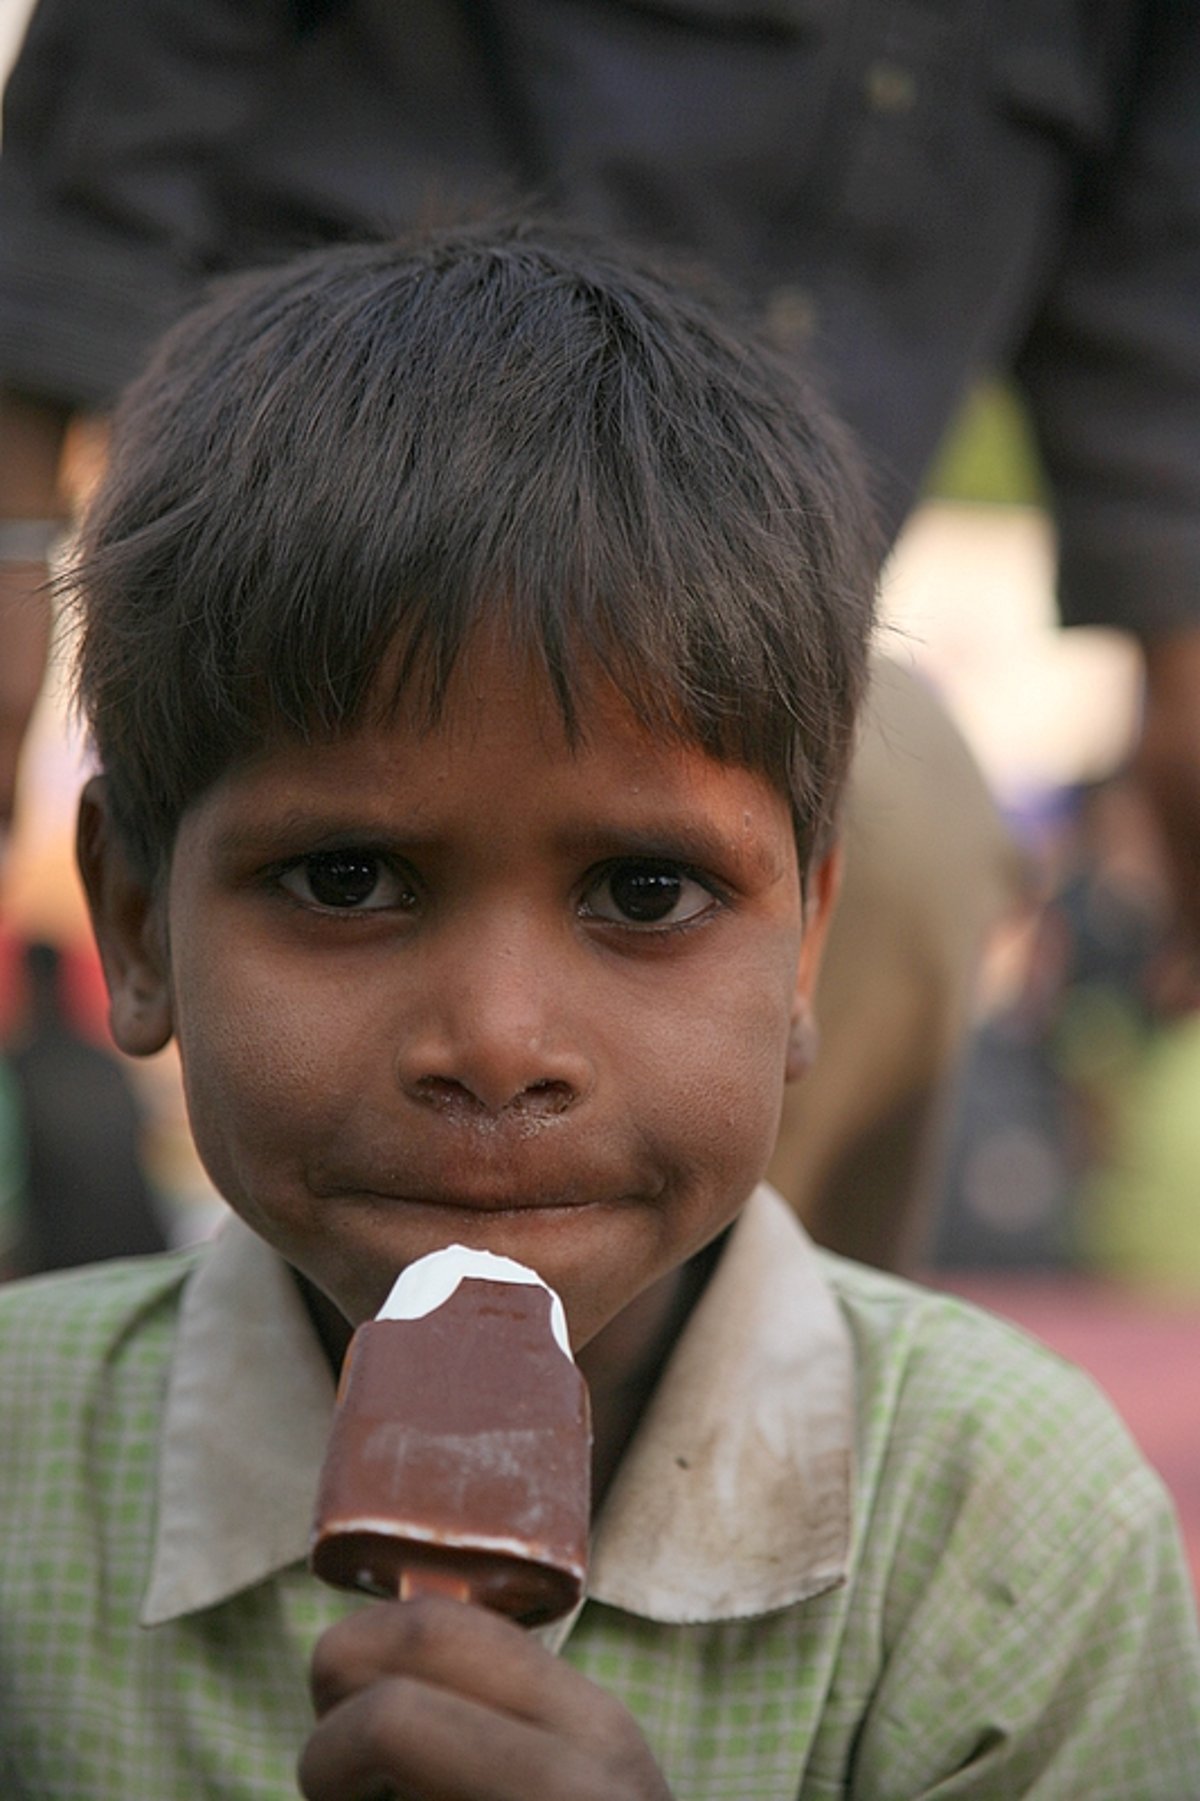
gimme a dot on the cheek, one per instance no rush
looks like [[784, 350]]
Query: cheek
[[716, 1082], [263, 1075], [735, 1103]]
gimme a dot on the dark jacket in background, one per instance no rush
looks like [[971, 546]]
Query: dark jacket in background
[[918, 190]]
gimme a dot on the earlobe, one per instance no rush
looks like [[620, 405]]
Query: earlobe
[[822, 887], [804, 1041], [127, 922]]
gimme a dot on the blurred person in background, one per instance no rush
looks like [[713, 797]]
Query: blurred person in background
[[78, 1191], [1057, 1040], [1125, 1035], [912, 193], [1076, 1144]]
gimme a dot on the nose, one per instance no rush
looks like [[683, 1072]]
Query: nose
[[493, 1037]]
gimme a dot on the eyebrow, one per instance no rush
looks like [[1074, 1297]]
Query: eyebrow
[[678, 831], [685, 839], [296, 828]]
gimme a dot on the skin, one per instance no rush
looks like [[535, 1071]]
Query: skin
[[477, 986], [25, 628], [31, 438], [1167, 763]]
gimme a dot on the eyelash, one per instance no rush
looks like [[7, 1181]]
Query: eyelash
[[379, 864], [655, 868], [315, 861]]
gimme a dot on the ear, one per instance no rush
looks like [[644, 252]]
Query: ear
[[820, 896], [127, 919]]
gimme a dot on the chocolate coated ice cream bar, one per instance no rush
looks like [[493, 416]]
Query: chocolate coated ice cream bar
[[460, 1454]]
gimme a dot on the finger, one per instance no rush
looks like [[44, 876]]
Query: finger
[[466, 1650], [400, 1737]]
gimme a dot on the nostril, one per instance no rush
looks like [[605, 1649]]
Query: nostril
[[537, 1100], [449, 1096], [543, 1098]]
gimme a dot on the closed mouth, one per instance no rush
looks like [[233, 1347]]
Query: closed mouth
[[490, 1202]]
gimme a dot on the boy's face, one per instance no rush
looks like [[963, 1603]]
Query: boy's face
[[476, 986]]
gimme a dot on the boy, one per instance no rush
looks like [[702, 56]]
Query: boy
[[472, 635]]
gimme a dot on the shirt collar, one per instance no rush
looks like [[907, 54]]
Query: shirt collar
[[248, 1408], [734, 1497]]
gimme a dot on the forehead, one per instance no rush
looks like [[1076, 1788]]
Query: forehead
[[501, 763]]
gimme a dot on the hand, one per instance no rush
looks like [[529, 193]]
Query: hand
[[24, 649], [435, 1700], [32, 432], [1167, 764]]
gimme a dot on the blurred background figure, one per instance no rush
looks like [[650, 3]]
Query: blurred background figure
[[76, 1190], [1077, 1137]]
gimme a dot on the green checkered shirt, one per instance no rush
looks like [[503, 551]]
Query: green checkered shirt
[[867, 1543]]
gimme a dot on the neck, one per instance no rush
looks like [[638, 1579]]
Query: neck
[[623, 1362], [330, 1323]]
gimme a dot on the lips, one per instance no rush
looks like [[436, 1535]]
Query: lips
[[476, 1202], [502, 1172], [500, 1185], [474, 1194]]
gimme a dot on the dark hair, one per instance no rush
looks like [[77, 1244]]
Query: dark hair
[[339, 467]]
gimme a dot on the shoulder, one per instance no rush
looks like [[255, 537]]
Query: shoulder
[[84, 1362], [960, 1412], [923, 1353], [64, 1333], [994, 1474], [1018, 1581]]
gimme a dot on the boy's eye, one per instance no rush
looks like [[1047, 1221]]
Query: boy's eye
[[349, 880], [647, 891]]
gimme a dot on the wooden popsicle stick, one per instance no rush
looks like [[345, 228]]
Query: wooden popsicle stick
[[430, 1581]]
